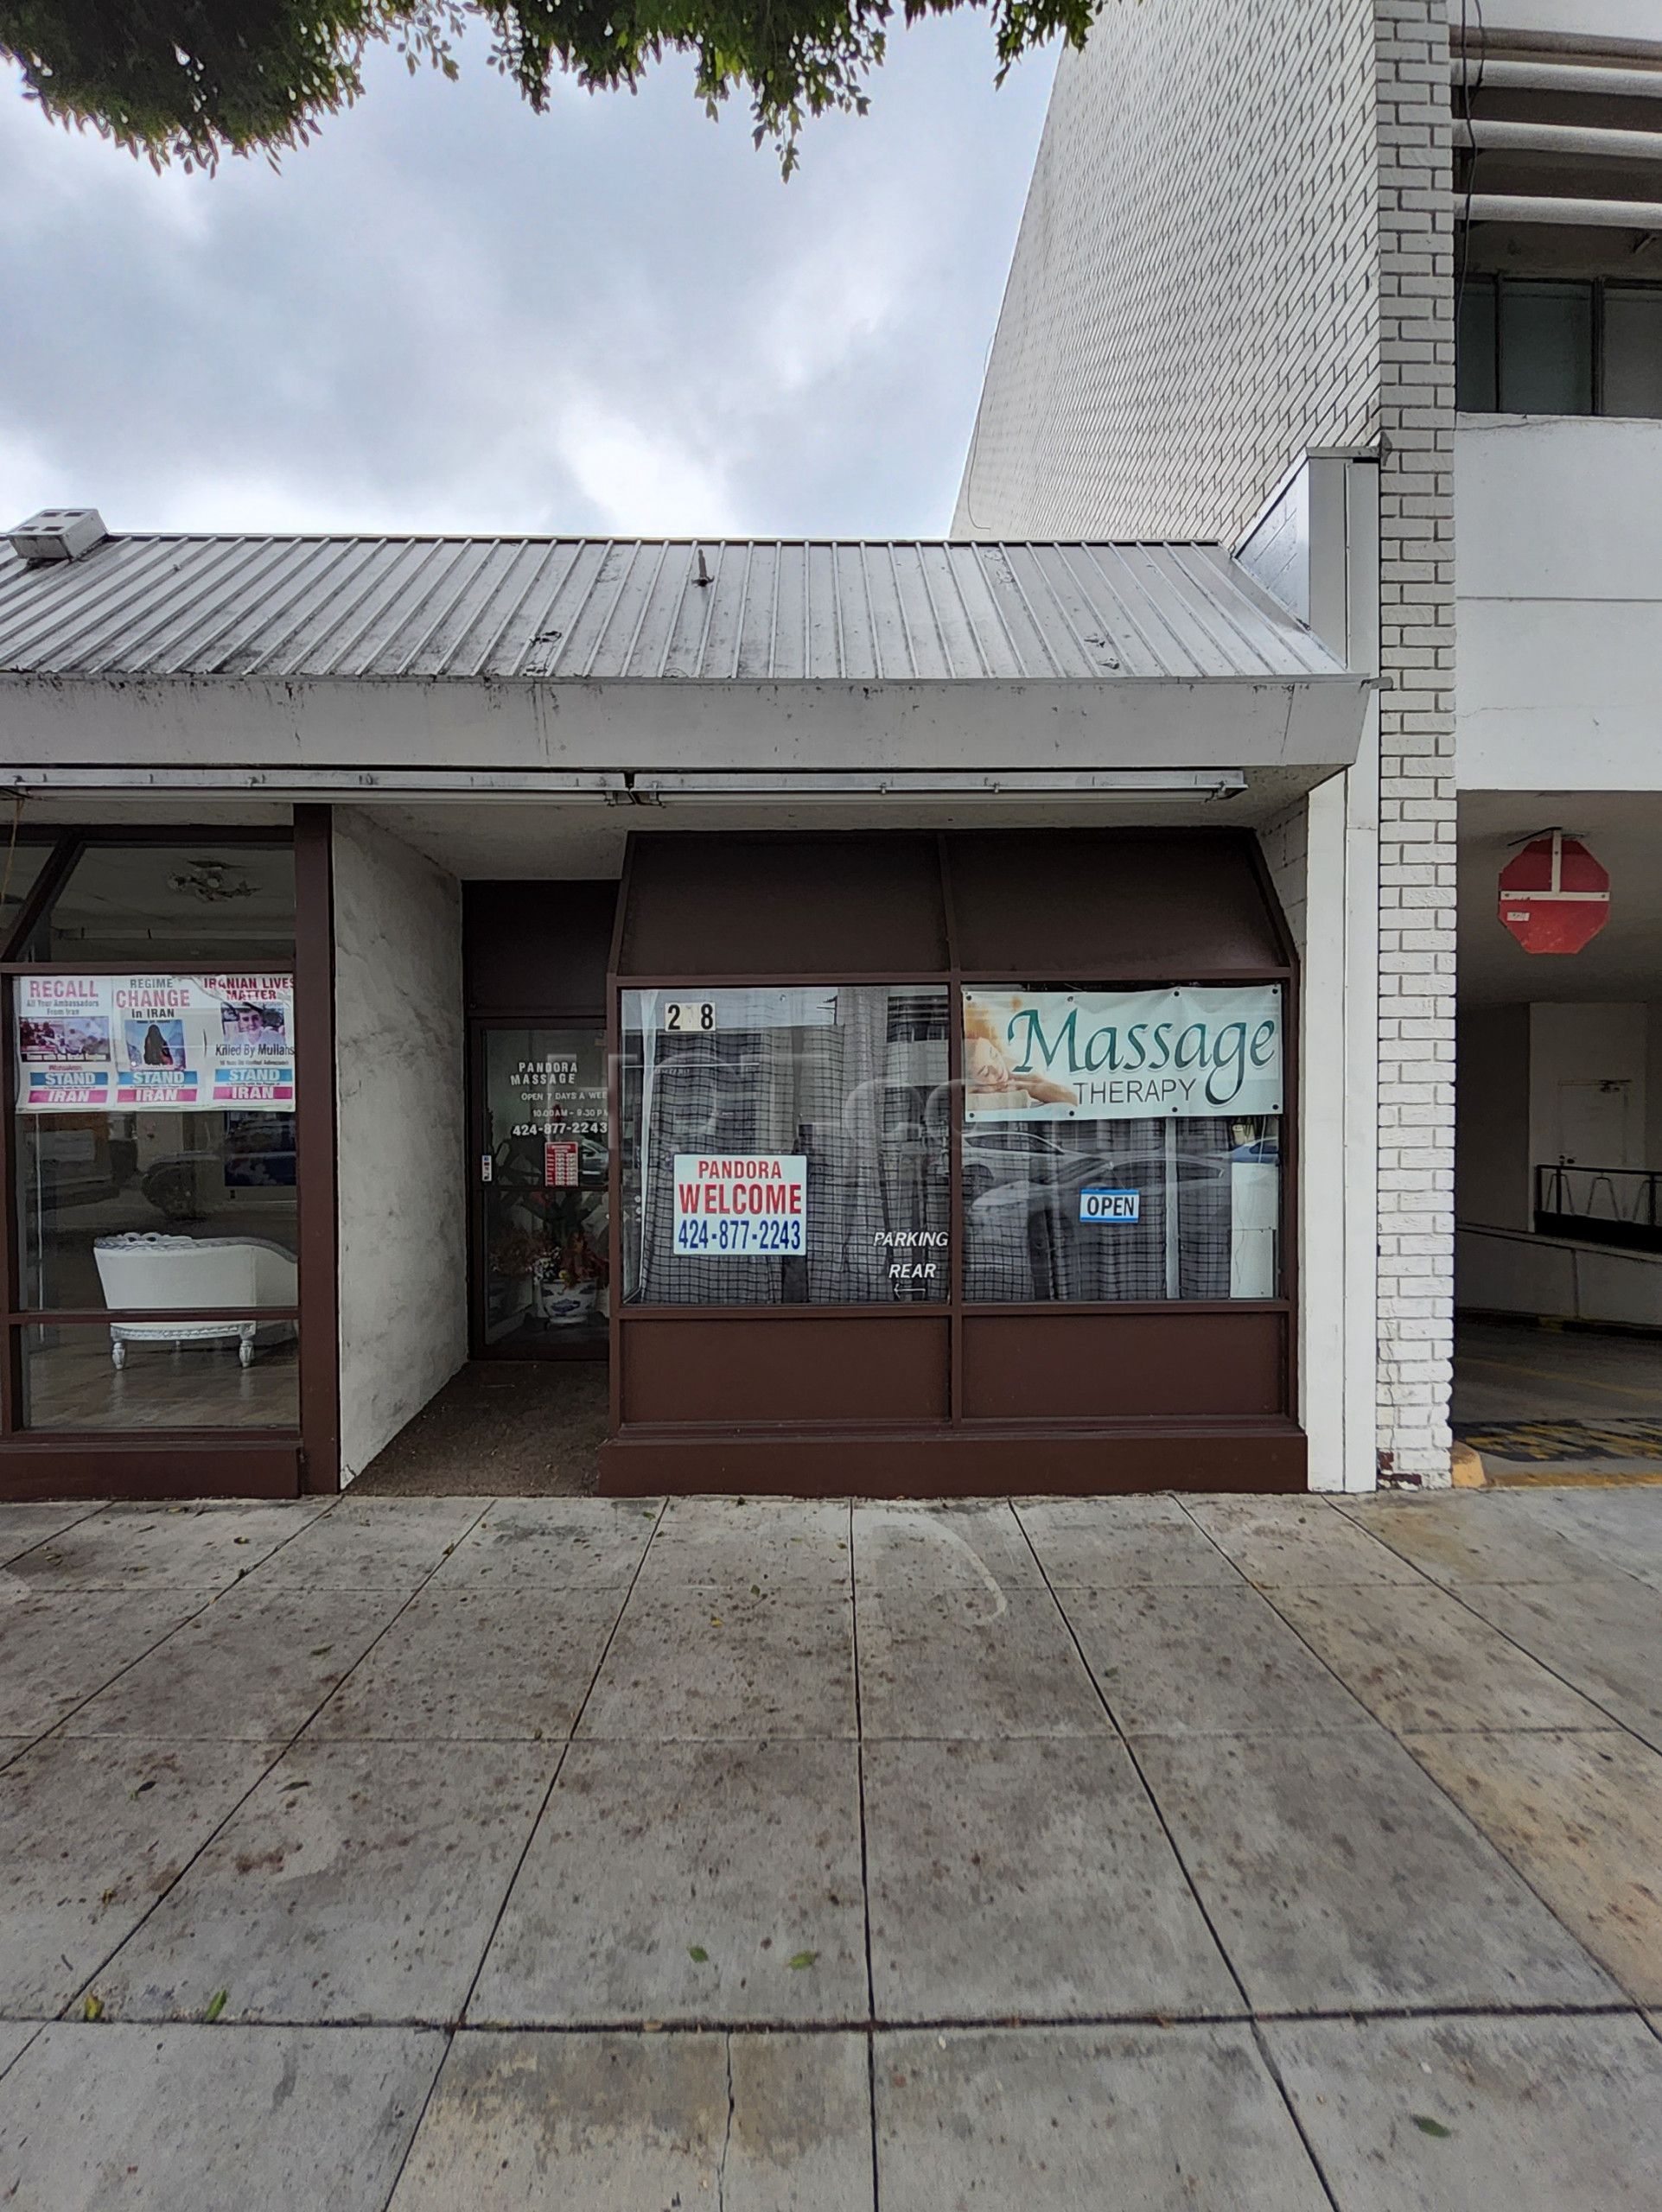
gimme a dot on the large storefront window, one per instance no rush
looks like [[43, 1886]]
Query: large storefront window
[[785, 1147], [177, 906], [790, 1146], [154, 1136], [1122, 1145]]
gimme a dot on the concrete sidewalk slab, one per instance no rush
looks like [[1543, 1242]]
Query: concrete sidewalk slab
[[945, 1550], [374, 1543], [1418, 1659], [1471, 1536], [478, 1663], [1178, 1662], [1580, 1818], [91, 1835], [728, 1544], [1013, 1862], [113, 2119], [1539, 2114], [206, 1547], [1104, 1543], [23, 1527], [359, 1882], [1054, 2119], [1605, 1638], [55, 1651], [690, 1663], [1336, 1876], [553, 1543], [629, 2123], [1624, 1527], [1296, 1539], [1029, 1878], [978, 1666], [747, 1852], [250, 1668]]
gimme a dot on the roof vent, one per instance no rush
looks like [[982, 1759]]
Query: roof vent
[[57, 534]]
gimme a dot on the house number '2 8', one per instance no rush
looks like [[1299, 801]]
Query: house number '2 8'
[[681, 1015]]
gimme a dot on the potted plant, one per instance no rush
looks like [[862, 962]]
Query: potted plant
[[567, 1281]]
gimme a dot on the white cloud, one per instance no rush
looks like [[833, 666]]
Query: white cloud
[[450, 314], [640, 479], [29, 480]]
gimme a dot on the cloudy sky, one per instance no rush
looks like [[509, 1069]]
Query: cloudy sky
[[449, 314]]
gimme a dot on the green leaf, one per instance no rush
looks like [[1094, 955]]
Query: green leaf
[[216, 2004], [179, 81], [1429, 2126], [803, 1958], [92, 2008], [697, 1953]]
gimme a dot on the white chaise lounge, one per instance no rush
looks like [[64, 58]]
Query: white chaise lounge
[[140, 1271]]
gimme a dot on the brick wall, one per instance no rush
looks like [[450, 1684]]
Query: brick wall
[[1416, 741], [1235, 248]]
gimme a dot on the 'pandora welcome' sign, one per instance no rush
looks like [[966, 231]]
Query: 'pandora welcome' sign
[[1114, 1055]]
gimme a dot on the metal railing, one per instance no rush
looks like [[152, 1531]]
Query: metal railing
[[1616, 1206]]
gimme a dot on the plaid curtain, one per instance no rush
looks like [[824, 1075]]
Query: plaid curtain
[[863, 1099]]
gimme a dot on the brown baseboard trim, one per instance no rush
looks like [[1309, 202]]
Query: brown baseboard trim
[[1010, 1462], [36, 1468]]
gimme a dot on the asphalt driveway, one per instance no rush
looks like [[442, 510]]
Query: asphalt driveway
[[439, 1853]]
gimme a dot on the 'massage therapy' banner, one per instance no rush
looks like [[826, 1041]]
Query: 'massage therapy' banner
[[1107, 1056]]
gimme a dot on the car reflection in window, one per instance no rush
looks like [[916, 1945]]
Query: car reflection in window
[[1022, 1171]]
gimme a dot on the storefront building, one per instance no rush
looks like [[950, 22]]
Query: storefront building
[[854, 998]]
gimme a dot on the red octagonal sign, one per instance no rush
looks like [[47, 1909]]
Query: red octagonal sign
[[1555, 897]]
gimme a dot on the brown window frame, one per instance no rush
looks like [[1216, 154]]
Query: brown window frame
[[191, 1461]]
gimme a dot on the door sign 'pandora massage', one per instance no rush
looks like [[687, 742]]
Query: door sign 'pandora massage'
[[1107, 1056]]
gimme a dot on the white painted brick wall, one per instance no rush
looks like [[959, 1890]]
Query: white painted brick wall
[[1417, 790], [1237, 247]]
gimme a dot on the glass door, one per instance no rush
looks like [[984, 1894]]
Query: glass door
[[542, 1241]]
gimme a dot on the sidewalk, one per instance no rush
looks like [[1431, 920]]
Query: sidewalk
[[1255, 1854]]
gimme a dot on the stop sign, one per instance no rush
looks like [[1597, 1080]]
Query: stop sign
[[1555, 897]]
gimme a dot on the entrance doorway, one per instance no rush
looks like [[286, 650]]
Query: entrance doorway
[[542, 1240]]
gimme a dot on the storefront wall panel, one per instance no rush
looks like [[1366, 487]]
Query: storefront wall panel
[[1063, 1366], [400, 1088], [805, 1369]]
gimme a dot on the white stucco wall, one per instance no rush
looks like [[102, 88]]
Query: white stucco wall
[[399, 1059], [1585, 1044], [1559, 583]]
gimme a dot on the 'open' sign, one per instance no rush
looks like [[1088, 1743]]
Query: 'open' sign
[[1110, 1205]]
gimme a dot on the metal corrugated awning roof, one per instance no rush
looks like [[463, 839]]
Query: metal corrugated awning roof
[[518, 611]]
